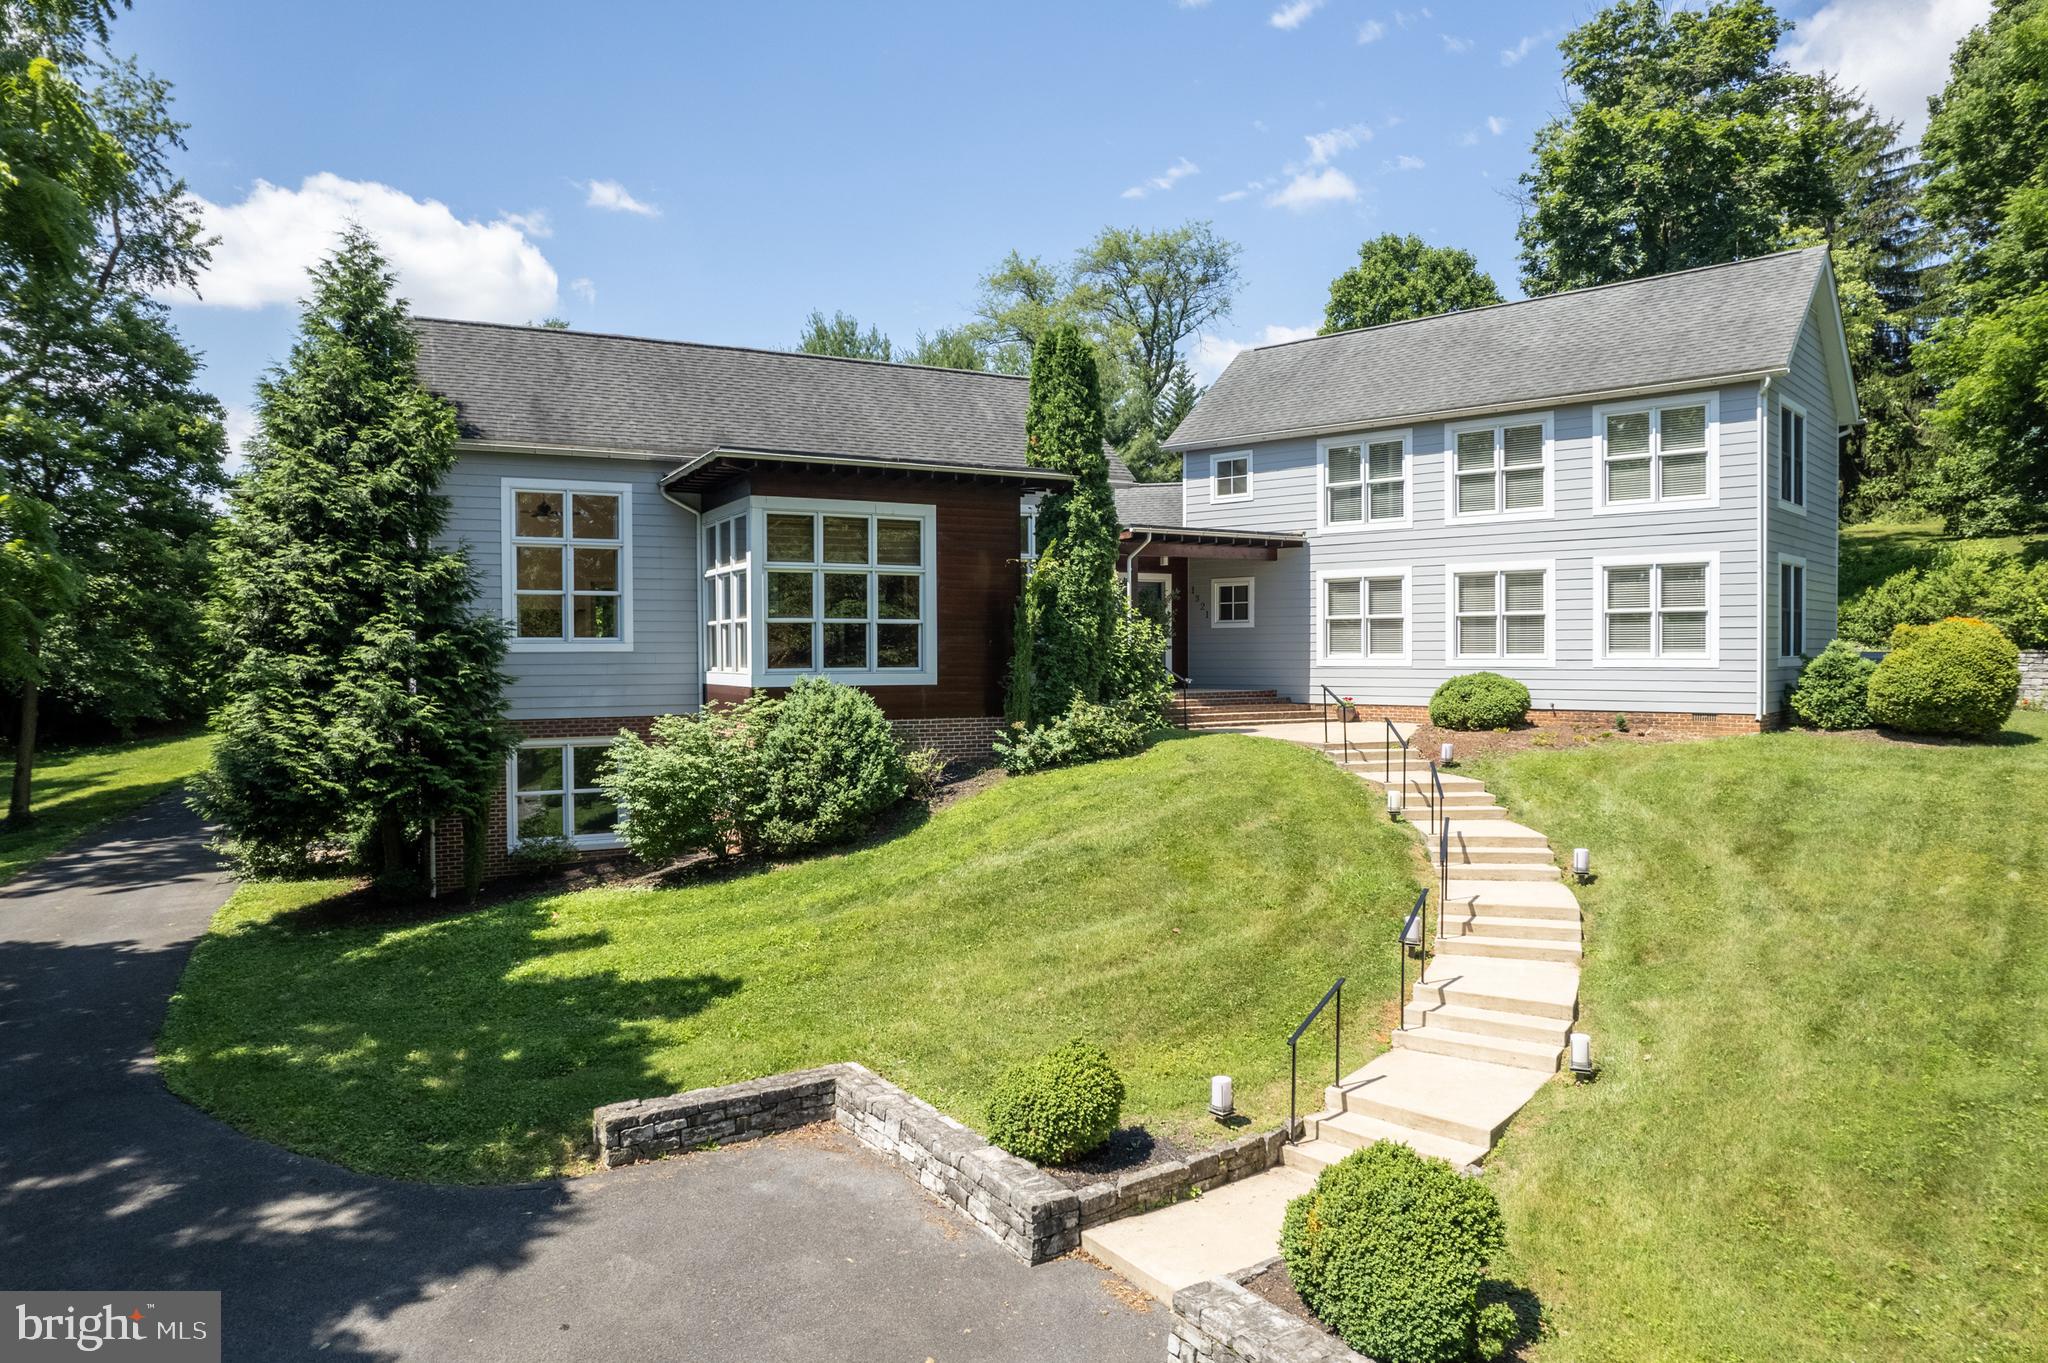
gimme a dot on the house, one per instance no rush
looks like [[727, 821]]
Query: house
[[1611, 494]]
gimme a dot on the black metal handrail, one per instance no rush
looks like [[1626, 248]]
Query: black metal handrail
[[1345, 709], [1417, 924], [1336, 991], [1443, 848], [1387, 756], [1185, 686]]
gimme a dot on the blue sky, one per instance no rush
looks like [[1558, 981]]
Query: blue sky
[[714, 172]]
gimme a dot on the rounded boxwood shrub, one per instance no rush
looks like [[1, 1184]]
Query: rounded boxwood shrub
[[1058, 1107], [1957, 676], [1390, 1249], [1834, 688], [829, 764], [1479, 700]]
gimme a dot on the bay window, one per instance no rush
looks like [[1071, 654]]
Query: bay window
[[727, 636], [844, 590]]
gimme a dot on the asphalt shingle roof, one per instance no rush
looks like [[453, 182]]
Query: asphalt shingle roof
[[1149, 504], [1717, 321]]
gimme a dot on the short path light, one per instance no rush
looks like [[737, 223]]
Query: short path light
[[1443, 757], [1581, 1056], [1219, 1096], [1394, 802], [1582, 864]]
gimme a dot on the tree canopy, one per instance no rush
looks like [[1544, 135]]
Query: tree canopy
[[1399, 277], [841, 335]]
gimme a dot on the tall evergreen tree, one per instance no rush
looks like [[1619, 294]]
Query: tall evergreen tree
[[365, 698], [1398, 277]]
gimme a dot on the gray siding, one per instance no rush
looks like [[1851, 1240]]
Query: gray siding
[[1815, 536], [1281, 650], [660, 673]]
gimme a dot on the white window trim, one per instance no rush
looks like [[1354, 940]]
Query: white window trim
[[1251, 602], [1548, 658], [1365, 522], [1657, 501], [1215, 481], [707, 525], [1320, 618], [1452, 430], [508, 488], [583, 840], [1786, 404], [1777, 621], [1676, 559], [927, 673]]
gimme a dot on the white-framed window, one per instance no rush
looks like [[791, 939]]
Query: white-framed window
[[1658, 613], [1500, 612], [846, 589], [1365, 616], [1231, 477], [727, 588], [1791, 607], [1233, 603], [1365, 480], [551, 792], [1027, 536], [1498, 469], [1791, 455], [568, 563], [1652, 453]]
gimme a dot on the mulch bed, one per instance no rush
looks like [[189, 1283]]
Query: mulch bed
[[1278, 1288], [1428, 739], [1128, 1151]]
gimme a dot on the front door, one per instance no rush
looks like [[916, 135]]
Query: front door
[[1154, 600]]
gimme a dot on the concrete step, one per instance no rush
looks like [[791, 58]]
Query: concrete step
[[1567, 953], [1424, 817], [1344, 1132], [1544, 989], [1513, 870], [1479, 853], [1224, 1230], [1440, 1095], [1536, 899], [1527, 929], [1515, 1026], [1498, 1050]]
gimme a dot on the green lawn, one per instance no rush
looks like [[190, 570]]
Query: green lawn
[[1817, 983], [77, 789], [1874, 551], [1184, 908]]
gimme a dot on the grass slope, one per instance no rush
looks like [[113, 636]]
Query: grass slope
[[1183, 907], [77, 789], [1817, 981], [1874, 551]]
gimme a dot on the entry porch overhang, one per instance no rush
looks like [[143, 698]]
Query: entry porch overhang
[[1167, 542]]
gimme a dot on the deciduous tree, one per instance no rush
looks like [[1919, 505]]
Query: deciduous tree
[[1398, 277], [841, 335]]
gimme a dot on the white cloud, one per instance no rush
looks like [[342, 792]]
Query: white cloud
[[1509, 56], [1306, 191], [1324, 147], [1291, 15], [241, 424], [584, 290], [1192, 4], [446, 265], [1895, 51], [1232, 196], [1371, 31], [1496, 125], [611, 196], [1469, 138], [1406, 17], [1212, 354], [1455, 46], [1409, 163], [1165, 180], [534, 224]]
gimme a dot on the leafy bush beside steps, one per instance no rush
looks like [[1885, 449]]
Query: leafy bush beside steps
[[1058, 1107]]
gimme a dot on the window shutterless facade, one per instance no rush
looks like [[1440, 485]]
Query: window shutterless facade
[[1232, 477], [1500, 612], [1658, 613], [1655, 453], [1233, 597], [1791, 454], [1365, 616], [728, 634], [1791, 607], [1365, 480], [568, 564], [553, 793], [845, 592], [1499, 470]]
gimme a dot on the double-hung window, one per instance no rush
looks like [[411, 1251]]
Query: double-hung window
[[1791, 453], [1656, 611], [846, 592], [1656, 454], [726, 636], [1501, 613], [1791, 608], [566, 544], [1366, 617], [1500, 469], [1366, 481], [1233, 477], [555, 794]]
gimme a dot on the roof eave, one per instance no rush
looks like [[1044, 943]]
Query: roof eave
[[1028, 477], [1281, 540]]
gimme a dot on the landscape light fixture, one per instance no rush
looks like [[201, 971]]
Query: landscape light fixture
[[1443, 757], [1582, 864], [1219, 1096], [1581, 1056], [1411, 931], [1394, 798]]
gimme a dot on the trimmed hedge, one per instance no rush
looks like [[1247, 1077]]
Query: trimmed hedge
[[1058, 1107], [1479, 700], [1390, 1250], [1834, 688], [831, 763], [1957, 676]]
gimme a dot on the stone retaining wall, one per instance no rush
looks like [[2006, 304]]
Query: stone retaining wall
[[2034, 675], [1221, 1320], [1016, 1202]]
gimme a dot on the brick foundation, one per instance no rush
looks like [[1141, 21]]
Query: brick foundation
[[965, 739], [1692, 724]]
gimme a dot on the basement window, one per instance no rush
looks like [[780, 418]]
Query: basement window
[[554, 794]]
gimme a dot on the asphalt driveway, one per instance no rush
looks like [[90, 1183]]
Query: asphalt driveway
[[806, 1246]]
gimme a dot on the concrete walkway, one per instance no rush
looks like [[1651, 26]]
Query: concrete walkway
[[802, 1247]]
